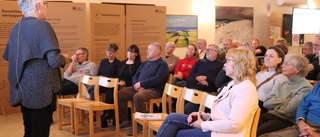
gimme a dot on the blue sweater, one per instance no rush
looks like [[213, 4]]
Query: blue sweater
[[152, 74], [205, 67], [309, 108]]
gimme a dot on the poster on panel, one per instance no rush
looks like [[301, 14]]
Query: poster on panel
[[145, 25], [234, 23], [69, 23], [10, 15], [107, 26]]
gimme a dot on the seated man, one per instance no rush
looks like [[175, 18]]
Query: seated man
[[80, 65], [203, 75], [148, 83], [314, 67], [169, 57], [307, 117]]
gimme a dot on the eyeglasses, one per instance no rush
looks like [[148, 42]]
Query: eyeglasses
[[169, 46], [316, 45], [78, 54], [211, 50]]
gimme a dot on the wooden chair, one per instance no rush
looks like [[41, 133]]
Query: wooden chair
[[149, 104], [254, 126], [191, 95], [69, 102], [98, 107], [170, 91]]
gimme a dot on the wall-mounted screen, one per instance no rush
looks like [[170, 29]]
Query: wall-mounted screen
[[305, 21]]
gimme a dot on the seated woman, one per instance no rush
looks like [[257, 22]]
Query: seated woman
[[270, 74], [233, 111], [283, 100], [108, 68], [184, 66], [129, 66], [80, 65]]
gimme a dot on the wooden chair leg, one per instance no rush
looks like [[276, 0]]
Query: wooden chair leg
[[134, 127], [91, 125], [76, 122], [60, 107]]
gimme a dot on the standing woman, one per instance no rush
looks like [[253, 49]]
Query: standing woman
[[129, 66], [271, 75], [184, 66], [231, 113], [34, 75]]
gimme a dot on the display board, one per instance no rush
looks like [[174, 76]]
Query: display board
[[69, 23], [10, 15], [107, 26], [275, 27], [145, 25]]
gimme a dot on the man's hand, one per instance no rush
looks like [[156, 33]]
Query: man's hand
[[201, 78], [306, 130]]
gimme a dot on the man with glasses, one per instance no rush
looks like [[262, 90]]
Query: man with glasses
[[169, 57], [203, 75], [80, 65], [314, 67]]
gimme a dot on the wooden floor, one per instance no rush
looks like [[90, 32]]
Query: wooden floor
[[11, 126]]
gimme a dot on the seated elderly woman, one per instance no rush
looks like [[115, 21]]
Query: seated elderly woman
[[270, 74], [283, 100], [184, 66], [231, 115]]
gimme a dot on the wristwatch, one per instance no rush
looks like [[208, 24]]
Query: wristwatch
[[300, 118]]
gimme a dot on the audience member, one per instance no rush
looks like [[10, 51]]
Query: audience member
[[314, 67], [232, 112], [34, 62], [281, 41], [129, 66], [108, 68], [148, 83], [307, 50], [307, 118], [202, 45], [169, 57], [236, 43], [80, 65], [203, 75], [223, 79], [227, 45], [270, 75], [259, 50], [283, 100], [184, 66]]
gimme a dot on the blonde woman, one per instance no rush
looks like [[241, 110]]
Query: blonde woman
[[233, 111]]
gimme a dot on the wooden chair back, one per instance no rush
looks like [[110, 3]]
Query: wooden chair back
[[171, 91], [254, 126], [84, 82], [107, 83], [191, 95], [207, 101]]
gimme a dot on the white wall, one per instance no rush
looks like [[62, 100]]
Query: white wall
[[205, 9]]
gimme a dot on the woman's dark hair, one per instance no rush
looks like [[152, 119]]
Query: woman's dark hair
[[112, 47], [135, 49], [280, 54]]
